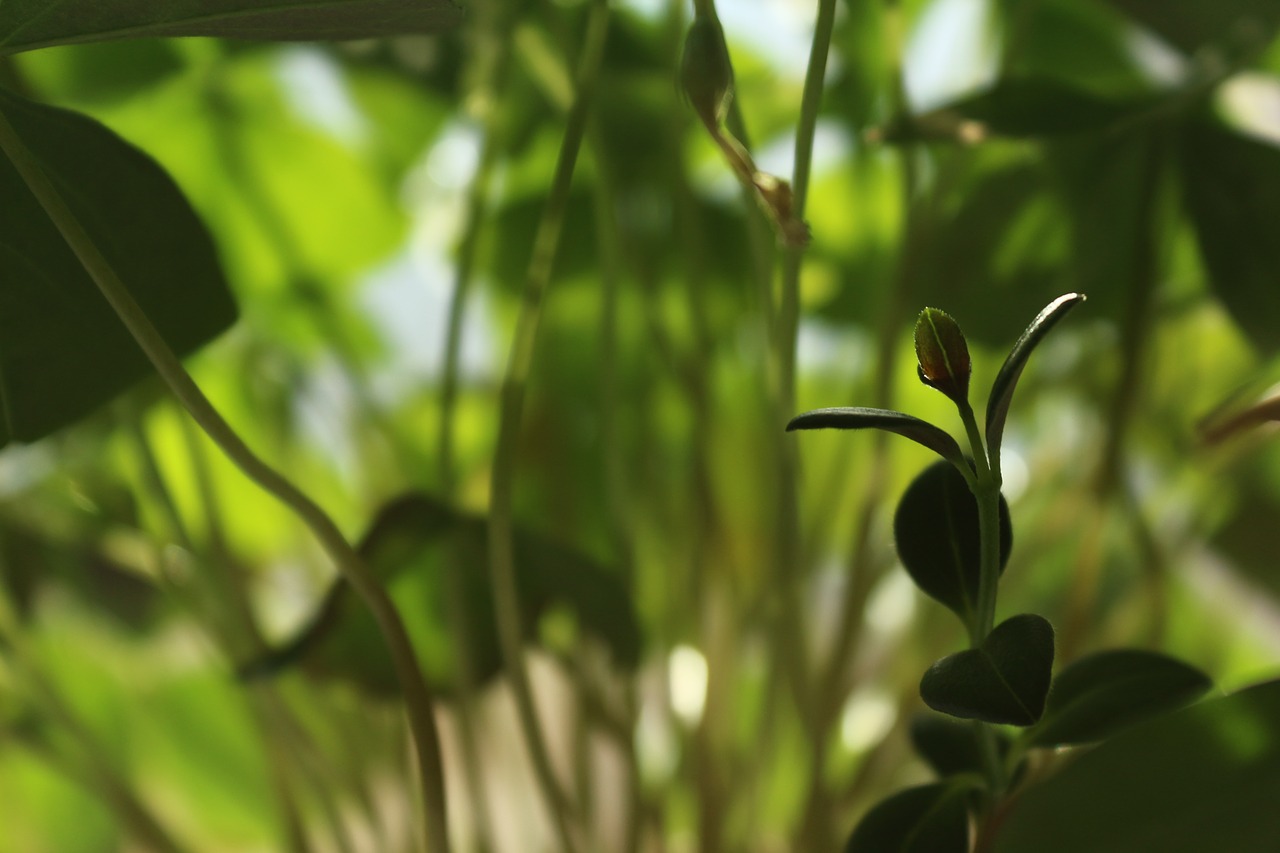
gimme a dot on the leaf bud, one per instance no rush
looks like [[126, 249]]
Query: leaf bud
[[943, 354]]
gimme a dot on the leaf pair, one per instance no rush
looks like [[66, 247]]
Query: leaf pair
[[936, 355]]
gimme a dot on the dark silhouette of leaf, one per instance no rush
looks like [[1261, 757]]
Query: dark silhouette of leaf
[[921, 432], [936, 531], [1005, 680], [924, 819], [32, 24], [63, 351]]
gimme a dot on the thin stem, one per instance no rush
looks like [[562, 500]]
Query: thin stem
[[501, 557], [417, 695]]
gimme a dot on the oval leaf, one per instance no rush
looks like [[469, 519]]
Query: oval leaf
[[413, 542], [1100, 694], [937, 534], [1202, 778], [31, 24], [924, 819], [943, 354], [1004, 680], [949, 746], [63, 351], [921, 432], [1007, 378]]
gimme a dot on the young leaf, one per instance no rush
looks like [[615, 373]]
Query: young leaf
[[924, 819], [412, 544], [950, 746], [1004, 680], [936, 531], [63, 351], [1002, 389], [706, 72], [921, 432], [943, 354], [1100, 694], [32, 24], [1200, 779]]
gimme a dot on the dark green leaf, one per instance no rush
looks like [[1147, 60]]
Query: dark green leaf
[[1189, 24], [936, 531], [411, 546], [1007, 378], [63, 352], [925, 819], [1019, 108], [921, 432], [31, 24], [1202, 778], [1100, 694], [1232, 190], [949, 746], [1005, 680]]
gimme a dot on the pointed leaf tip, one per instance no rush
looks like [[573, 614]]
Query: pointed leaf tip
[[1007, 379]]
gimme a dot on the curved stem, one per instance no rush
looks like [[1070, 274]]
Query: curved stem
[[501, 557], [418, 699]]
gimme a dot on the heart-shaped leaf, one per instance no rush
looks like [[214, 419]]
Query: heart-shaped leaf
[[1100, 694], [414, 541], [921, 432], [31, 24], [949, 746], [1203, 778], [936, 531], [63, 351], [924, 819], [1007, 378], [1004, 680]]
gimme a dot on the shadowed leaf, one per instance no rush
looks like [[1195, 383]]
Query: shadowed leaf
[[924, 819], [921, 432]]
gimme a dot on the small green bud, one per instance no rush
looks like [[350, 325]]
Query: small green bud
[[706, 73], [943, 354]]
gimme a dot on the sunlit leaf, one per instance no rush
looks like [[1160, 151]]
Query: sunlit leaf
[[1005, 680], [1198, 779], [1108, 691], [936, 530], [31, 24], [63, 351]]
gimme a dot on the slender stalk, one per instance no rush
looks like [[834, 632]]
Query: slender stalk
[[501, 557], [418, 699]]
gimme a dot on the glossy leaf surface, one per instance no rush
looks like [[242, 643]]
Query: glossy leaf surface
[[1007, 379], [936, 532], [925, 819], [1202, 778], [921, 432], [63, 351], [1005, 680], [1098, 695], [31, 24]]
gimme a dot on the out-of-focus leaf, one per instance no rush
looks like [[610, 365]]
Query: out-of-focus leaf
[[31, 24], [1202, 778], [1082, 43], [1018, 108], [1190, 24], [63, 351], [921, 432], [1222, 428], [1004, 680], [924, 819], [936, 530], [949, 746], [1098, 695], [1007, 379], [413, 542], [1232, 190]]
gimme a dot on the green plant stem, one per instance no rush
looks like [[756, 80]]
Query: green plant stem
[[418, 699], [501, 557]]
